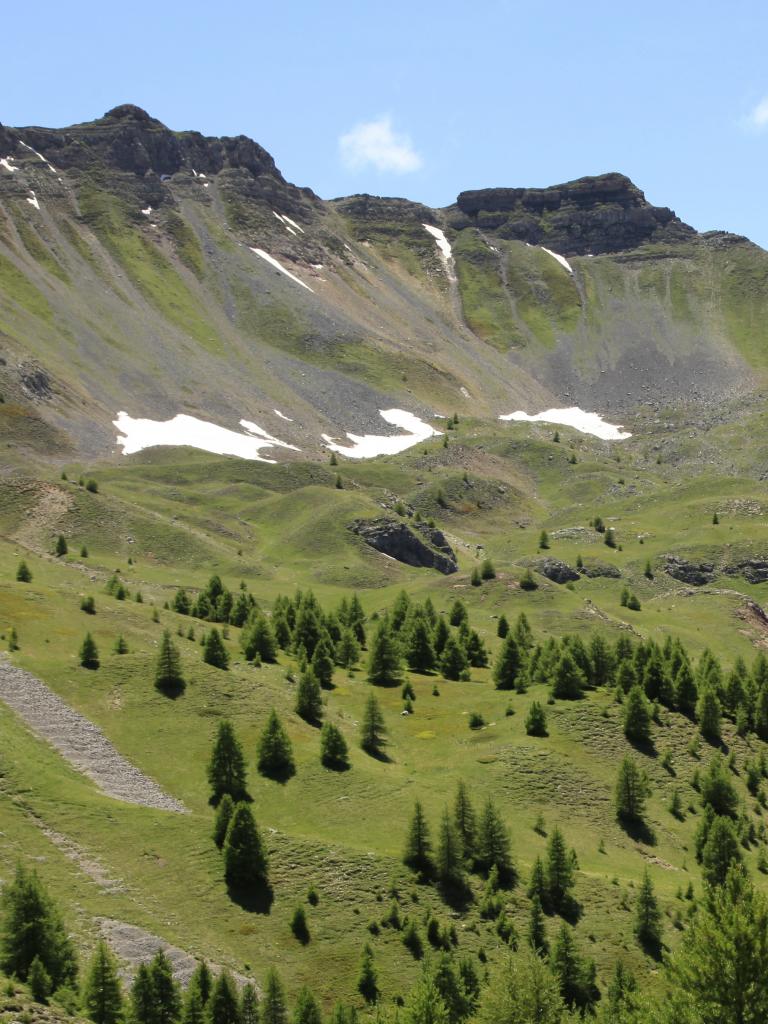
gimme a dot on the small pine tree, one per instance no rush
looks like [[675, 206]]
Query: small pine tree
[[449, 860], [333, 461], [632, 789], [418, 847], [502, 627], [83, 551], [89, 653], [367, 979], [224, 814], [62, 547], [536, 720], [372, 729], [637, 716], [544, 540], [102, 992], [224, 1005], [249, 1005], [214, 651], [309, 701], [121, 646], [39, 981], [168, 675], [88, 605], [226, 768], [13, 640], [299, 925], [509, 664], [487, 570], [709, 714], [647, 916], [492, 849], [384, 665], [339, 483], [568, 680], [464, 819], [275, 753], [559, 871], [537, 929], [245, 857], [333, 748], [475, 578], [715, 519], [273, 1008], [23, 573]]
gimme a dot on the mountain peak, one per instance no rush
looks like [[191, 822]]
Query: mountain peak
[[128, 112]]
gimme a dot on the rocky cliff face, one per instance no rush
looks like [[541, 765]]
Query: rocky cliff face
[[589, 216]]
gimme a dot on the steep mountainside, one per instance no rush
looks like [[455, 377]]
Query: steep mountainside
[[130, 279]]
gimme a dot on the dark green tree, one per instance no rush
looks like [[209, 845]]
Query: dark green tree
[[275, 753], [226, 769], [509, 664], [258, 640], [559, 871], [333, 748], [717, 790], [202, 979], [721, 851], [648, 916], [449, 860], [102, 991], [568, 681], [493, 850], [166, 997], [39, 981], [384, 667], [465, 821], [309, 699], [224, 813], [453, 660], [686, 694], [307, 1010], [418, 847], [367, 979], [574, 975], [30, 926], [709, 714], [214, 651], [61, 545], [536, 720], [249, 1004], [89, 653], [224, 1004], [537, 929], [299, 925], [273, 1008], [23, 573], [523, 991], [246, 865], [502, 627], [143, 1009], [168, 675], [631, 791], [419, 652], [637, 716], [373, 731], [322, 661]]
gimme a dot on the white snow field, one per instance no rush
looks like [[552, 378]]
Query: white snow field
[[278, 266], [560, 259], [368, 446], [33, 201], [446, 253], [7, 164], [137, 434], [587, 422]]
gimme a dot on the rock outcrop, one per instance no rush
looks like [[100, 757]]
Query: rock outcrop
[[754, 570], [695, 574], [409, 542], [591, 215], [553, 569], [600, 569]]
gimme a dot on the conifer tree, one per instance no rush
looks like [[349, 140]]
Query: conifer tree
[[708, 713], [273, 1008], [214, 651], [509, 664], [686, 693], [307, 1010], [419, 652], [61, 546], [372, 729], [333, 748], [418, 847], [721, 851], [502, 627], [168, 675], [258, 639], [384, 660], [202, 979], [543, 540], [226, 769], [537, 886], [249, 1005], [166, 998], [449, 861], [322, 661], [275, 753], [309, 700], [559, 871], [637, 716], [23, 573], [493, 843], [568, 681], [537, 929], [524, 991], [717, 790], [348, 648], [193, 1010], [647, 916], [458, 613], [632, 788], [246, 865], [464, 818], [102, 992], [527, 581], [573, 975], [367, 979], [39, 981], [30, 926], [224, 1004], [143, 1010], [224, 813], [425, 1003], [453, 660], [89, 653], [536, 720]]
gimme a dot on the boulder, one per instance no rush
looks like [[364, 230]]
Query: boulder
[[409, 542], [695, 574], [598, 569], [553, 569], [754, 570]]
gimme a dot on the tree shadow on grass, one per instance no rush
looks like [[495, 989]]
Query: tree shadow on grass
[[255, 900], [215, 799], [379, 755], [457, 894], [645, 747], [171, 690], [638, 830], [278, 773]]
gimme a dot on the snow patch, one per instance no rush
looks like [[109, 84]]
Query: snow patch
[[40, 157], [6, 163], [586, 422], [32, 200], [560, 259], [278, 266], [446, 253], [137, 434], [147, 212], [293, 223], [368, 446], [282, 416]]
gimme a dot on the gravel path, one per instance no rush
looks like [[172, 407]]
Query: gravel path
[[82, 743]]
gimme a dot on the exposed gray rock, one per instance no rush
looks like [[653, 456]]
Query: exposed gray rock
[[695, 574], [598, 569], [412, 543], [553, 569], [754, 570]]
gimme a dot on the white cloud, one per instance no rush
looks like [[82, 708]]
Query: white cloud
[[376, 144], [757, 118]]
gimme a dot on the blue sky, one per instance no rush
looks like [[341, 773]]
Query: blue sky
[[424, 99]]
